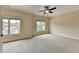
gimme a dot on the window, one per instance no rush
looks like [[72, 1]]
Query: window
[[43, 26], [5, 26], [11, 26], [14, 26], [40, 26]]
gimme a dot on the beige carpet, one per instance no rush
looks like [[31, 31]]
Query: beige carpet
[[43, 44]]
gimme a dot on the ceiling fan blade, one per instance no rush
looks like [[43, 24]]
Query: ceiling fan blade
[[52, 8], [50, 11]]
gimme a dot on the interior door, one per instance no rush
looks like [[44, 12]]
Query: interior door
[[0, 35]]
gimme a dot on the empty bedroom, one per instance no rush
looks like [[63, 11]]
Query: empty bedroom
[[39, 28]]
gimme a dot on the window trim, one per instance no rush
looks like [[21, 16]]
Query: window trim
[[41, 26], [20, 28], [9, 25]]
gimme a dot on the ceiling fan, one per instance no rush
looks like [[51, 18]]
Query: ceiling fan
[[47, 9]]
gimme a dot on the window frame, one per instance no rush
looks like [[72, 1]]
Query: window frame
[[9, 25], [41, 26], [20, 27]]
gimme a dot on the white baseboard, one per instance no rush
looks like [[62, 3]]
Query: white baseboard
[[66, 36]]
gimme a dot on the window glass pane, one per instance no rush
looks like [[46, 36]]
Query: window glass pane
[[38, 26], [14, 26], [5, 26], [44, 23], [43, 26]]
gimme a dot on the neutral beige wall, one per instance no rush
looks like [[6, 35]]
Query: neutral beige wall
[[66, 25], [26, 20], [28, 24]]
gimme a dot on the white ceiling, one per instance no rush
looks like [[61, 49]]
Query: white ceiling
[[34, 9]]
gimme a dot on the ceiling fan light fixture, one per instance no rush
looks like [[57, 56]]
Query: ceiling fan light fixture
[[47, 11]]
